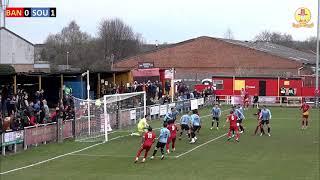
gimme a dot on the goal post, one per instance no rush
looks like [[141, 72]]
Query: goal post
[[110, 113]]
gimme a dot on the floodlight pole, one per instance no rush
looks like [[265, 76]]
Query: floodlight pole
[[317, 61]]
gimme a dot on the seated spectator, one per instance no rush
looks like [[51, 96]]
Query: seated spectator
[[54, 115]]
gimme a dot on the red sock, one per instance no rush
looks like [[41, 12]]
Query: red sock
[[237, 135], [139, 151], [229, 134], [146, 153], [173, 142]]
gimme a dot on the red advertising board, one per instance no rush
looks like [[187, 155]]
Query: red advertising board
[[67, 129], [35, 135]]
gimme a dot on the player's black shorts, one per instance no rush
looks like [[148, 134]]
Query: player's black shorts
[[264, 122], [185, 127], [160, 145], [195, 128], [215, 118], [239, 121]]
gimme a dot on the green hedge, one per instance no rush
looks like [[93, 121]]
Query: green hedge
[[6, 69]]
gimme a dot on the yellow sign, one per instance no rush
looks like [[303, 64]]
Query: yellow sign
[[239, 84], [303, 17], [286, 83]]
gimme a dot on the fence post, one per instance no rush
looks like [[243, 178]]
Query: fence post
[[15, 148], [3, 147], [25, 146], [60, 130]]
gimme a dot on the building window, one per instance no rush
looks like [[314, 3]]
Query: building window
[[218, 84]]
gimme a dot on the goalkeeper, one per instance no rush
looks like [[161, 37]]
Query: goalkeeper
[[142, 126]]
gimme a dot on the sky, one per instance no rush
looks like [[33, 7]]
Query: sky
[[168, 21]]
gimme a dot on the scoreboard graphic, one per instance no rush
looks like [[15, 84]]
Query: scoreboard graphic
[[16, 12]]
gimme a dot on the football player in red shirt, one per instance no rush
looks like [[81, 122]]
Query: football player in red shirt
[[147, 141], [173, 134], [233, 125], [259, 126], [305, 115]]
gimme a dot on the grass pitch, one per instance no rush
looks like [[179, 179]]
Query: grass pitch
[[289, 154]]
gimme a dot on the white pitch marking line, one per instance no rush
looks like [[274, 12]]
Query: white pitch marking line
[[201, 145], [63, 155], [41, 162], [60, 156]]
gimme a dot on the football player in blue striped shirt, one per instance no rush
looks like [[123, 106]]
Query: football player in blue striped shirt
[[196, 124], [185, 121], [265, 117], [162, 140], [216, 113]]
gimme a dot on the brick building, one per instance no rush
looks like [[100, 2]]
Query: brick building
[[203, 57]]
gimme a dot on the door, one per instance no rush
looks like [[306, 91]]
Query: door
[[262, 88]]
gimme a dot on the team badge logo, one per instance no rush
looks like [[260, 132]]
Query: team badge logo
[[303, 17]]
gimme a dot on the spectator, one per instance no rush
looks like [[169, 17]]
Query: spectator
[[167, 87], [46, 112]]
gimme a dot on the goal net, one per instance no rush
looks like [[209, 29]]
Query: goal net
[[107, 115]]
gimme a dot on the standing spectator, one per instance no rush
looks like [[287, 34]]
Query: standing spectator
[[46, 111], [167, 87], [255, 101], [291, 92]]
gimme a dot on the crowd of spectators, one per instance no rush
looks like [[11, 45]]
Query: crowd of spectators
[[184, 92], [29, 109]]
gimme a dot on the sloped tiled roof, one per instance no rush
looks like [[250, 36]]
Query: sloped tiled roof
[[278, 50]]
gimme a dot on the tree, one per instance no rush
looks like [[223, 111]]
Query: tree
[[79, 45], [264, 36], [118, 39], [275, 37], [228, 34]]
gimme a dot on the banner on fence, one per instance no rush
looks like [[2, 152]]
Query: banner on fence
[[194, 104], [267, 100], [187, 104], [36, 135], [236, 100], [105, 118], [200, 101], [133, 114], [163, 110], [154, 110], [14, 137], [67, 129]]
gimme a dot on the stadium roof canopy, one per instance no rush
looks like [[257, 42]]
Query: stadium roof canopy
[[278, 50]]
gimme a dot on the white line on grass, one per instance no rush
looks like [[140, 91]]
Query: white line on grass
[[60, 156], [201, 145], [83, 149], [41, 162]]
